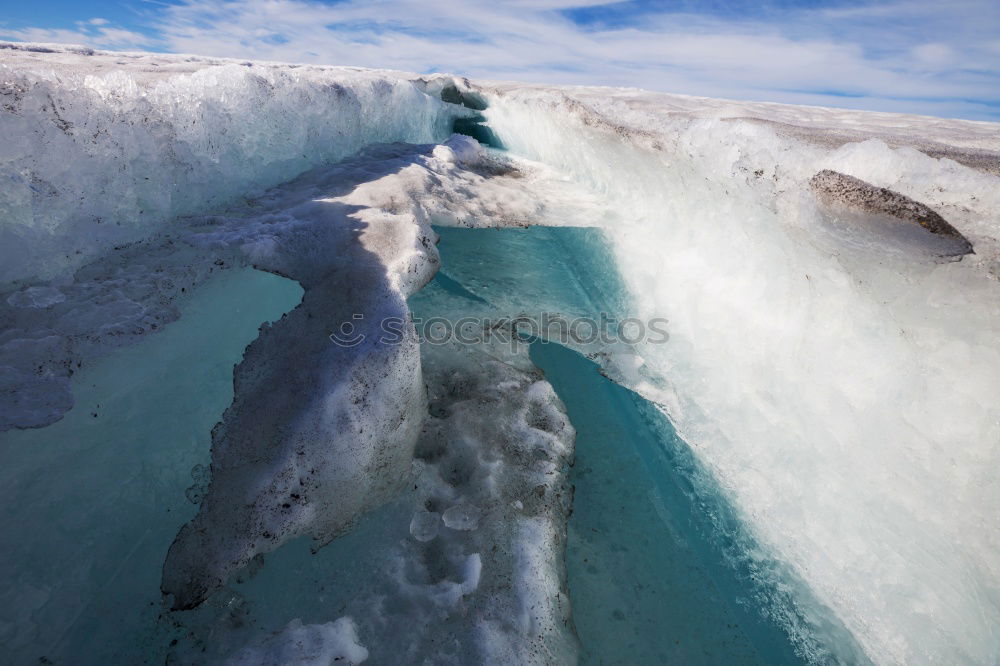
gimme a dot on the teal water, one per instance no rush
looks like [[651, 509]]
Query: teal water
[[650, 559], [648, 582], [92, 502]]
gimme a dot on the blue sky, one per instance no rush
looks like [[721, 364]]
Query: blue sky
[[915, 56]]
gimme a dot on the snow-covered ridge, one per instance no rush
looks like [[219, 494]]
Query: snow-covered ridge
[[104, 148], [641, 112]]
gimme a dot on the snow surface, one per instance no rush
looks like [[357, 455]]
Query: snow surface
[[841, 389]]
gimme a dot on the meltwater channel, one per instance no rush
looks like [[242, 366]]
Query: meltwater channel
[[657, 561]]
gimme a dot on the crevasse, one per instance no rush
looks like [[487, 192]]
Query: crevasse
[[839, 390]]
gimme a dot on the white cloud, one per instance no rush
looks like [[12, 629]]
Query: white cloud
[[934, 55], [95, 32], [916, 56]]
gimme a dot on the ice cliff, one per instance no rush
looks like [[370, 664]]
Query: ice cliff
[[839, 382], [102, 150]]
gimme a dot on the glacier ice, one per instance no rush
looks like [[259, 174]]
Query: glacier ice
[[843, 398], [318, 432], [463, 517], [878, 210], [104, 149], [425, 525], [837, 383], [648, 523]]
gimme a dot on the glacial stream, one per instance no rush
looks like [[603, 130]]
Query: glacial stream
[[654, 564], [654, 569], [658, 566], [803, 470]]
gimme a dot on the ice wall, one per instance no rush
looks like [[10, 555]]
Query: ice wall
[[102, 151], [101, 148], [842, 390]]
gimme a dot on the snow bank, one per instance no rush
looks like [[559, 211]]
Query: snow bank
[[842, 390], [105, 148]]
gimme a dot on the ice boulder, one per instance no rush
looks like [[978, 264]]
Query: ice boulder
[[889, 211]]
